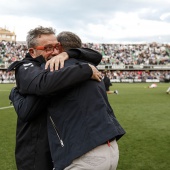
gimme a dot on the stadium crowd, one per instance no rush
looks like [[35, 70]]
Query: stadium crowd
[[133, 54], [113, 54], [143, 75]]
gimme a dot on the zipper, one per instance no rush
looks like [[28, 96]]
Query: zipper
[[56, 131]]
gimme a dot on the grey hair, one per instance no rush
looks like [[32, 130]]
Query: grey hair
[[33, 34]]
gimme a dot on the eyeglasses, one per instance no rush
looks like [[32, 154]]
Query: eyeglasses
[[49, 48]]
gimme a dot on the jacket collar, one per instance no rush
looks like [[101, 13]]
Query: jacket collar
[[39, 59]]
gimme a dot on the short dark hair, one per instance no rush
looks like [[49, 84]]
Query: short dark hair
[[69, 40]]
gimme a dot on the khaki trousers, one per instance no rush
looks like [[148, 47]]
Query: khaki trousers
[[103, 157]]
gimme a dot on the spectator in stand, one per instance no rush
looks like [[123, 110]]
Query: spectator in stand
[[113, 55], [116, 53]]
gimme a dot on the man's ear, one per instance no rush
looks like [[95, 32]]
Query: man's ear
[[32, 52]]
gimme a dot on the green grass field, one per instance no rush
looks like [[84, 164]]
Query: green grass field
[[144, 113]]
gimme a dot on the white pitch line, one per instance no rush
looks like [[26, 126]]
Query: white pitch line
[[1, 108], [4, 90]]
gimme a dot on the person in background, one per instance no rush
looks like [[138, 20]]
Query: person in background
[[168, 90], [152, 86], [107, 84]]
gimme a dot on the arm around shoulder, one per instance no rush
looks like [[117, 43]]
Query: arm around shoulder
[[86, 54], [34, 80]]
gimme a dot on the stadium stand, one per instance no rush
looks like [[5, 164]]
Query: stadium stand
[[123, 62], [7, 35]]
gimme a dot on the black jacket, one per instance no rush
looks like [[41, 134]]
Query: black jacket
[[80, 120], [107, 82], [32, 148]]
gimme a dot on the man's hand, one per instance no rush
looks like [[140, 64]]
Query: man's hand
[[96, 74], [57, 62]]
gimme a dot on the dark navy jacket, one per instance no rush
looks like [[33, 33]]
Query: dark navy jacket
[[32, 148], [79, 120]]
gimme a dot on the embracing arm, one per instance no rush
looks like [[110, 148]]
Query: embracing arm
[[27, 107], [86, 54], [33, 79]]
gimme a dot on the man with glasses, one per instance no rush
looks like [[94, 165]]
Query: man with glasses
[[32, 148], [81, 123]]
